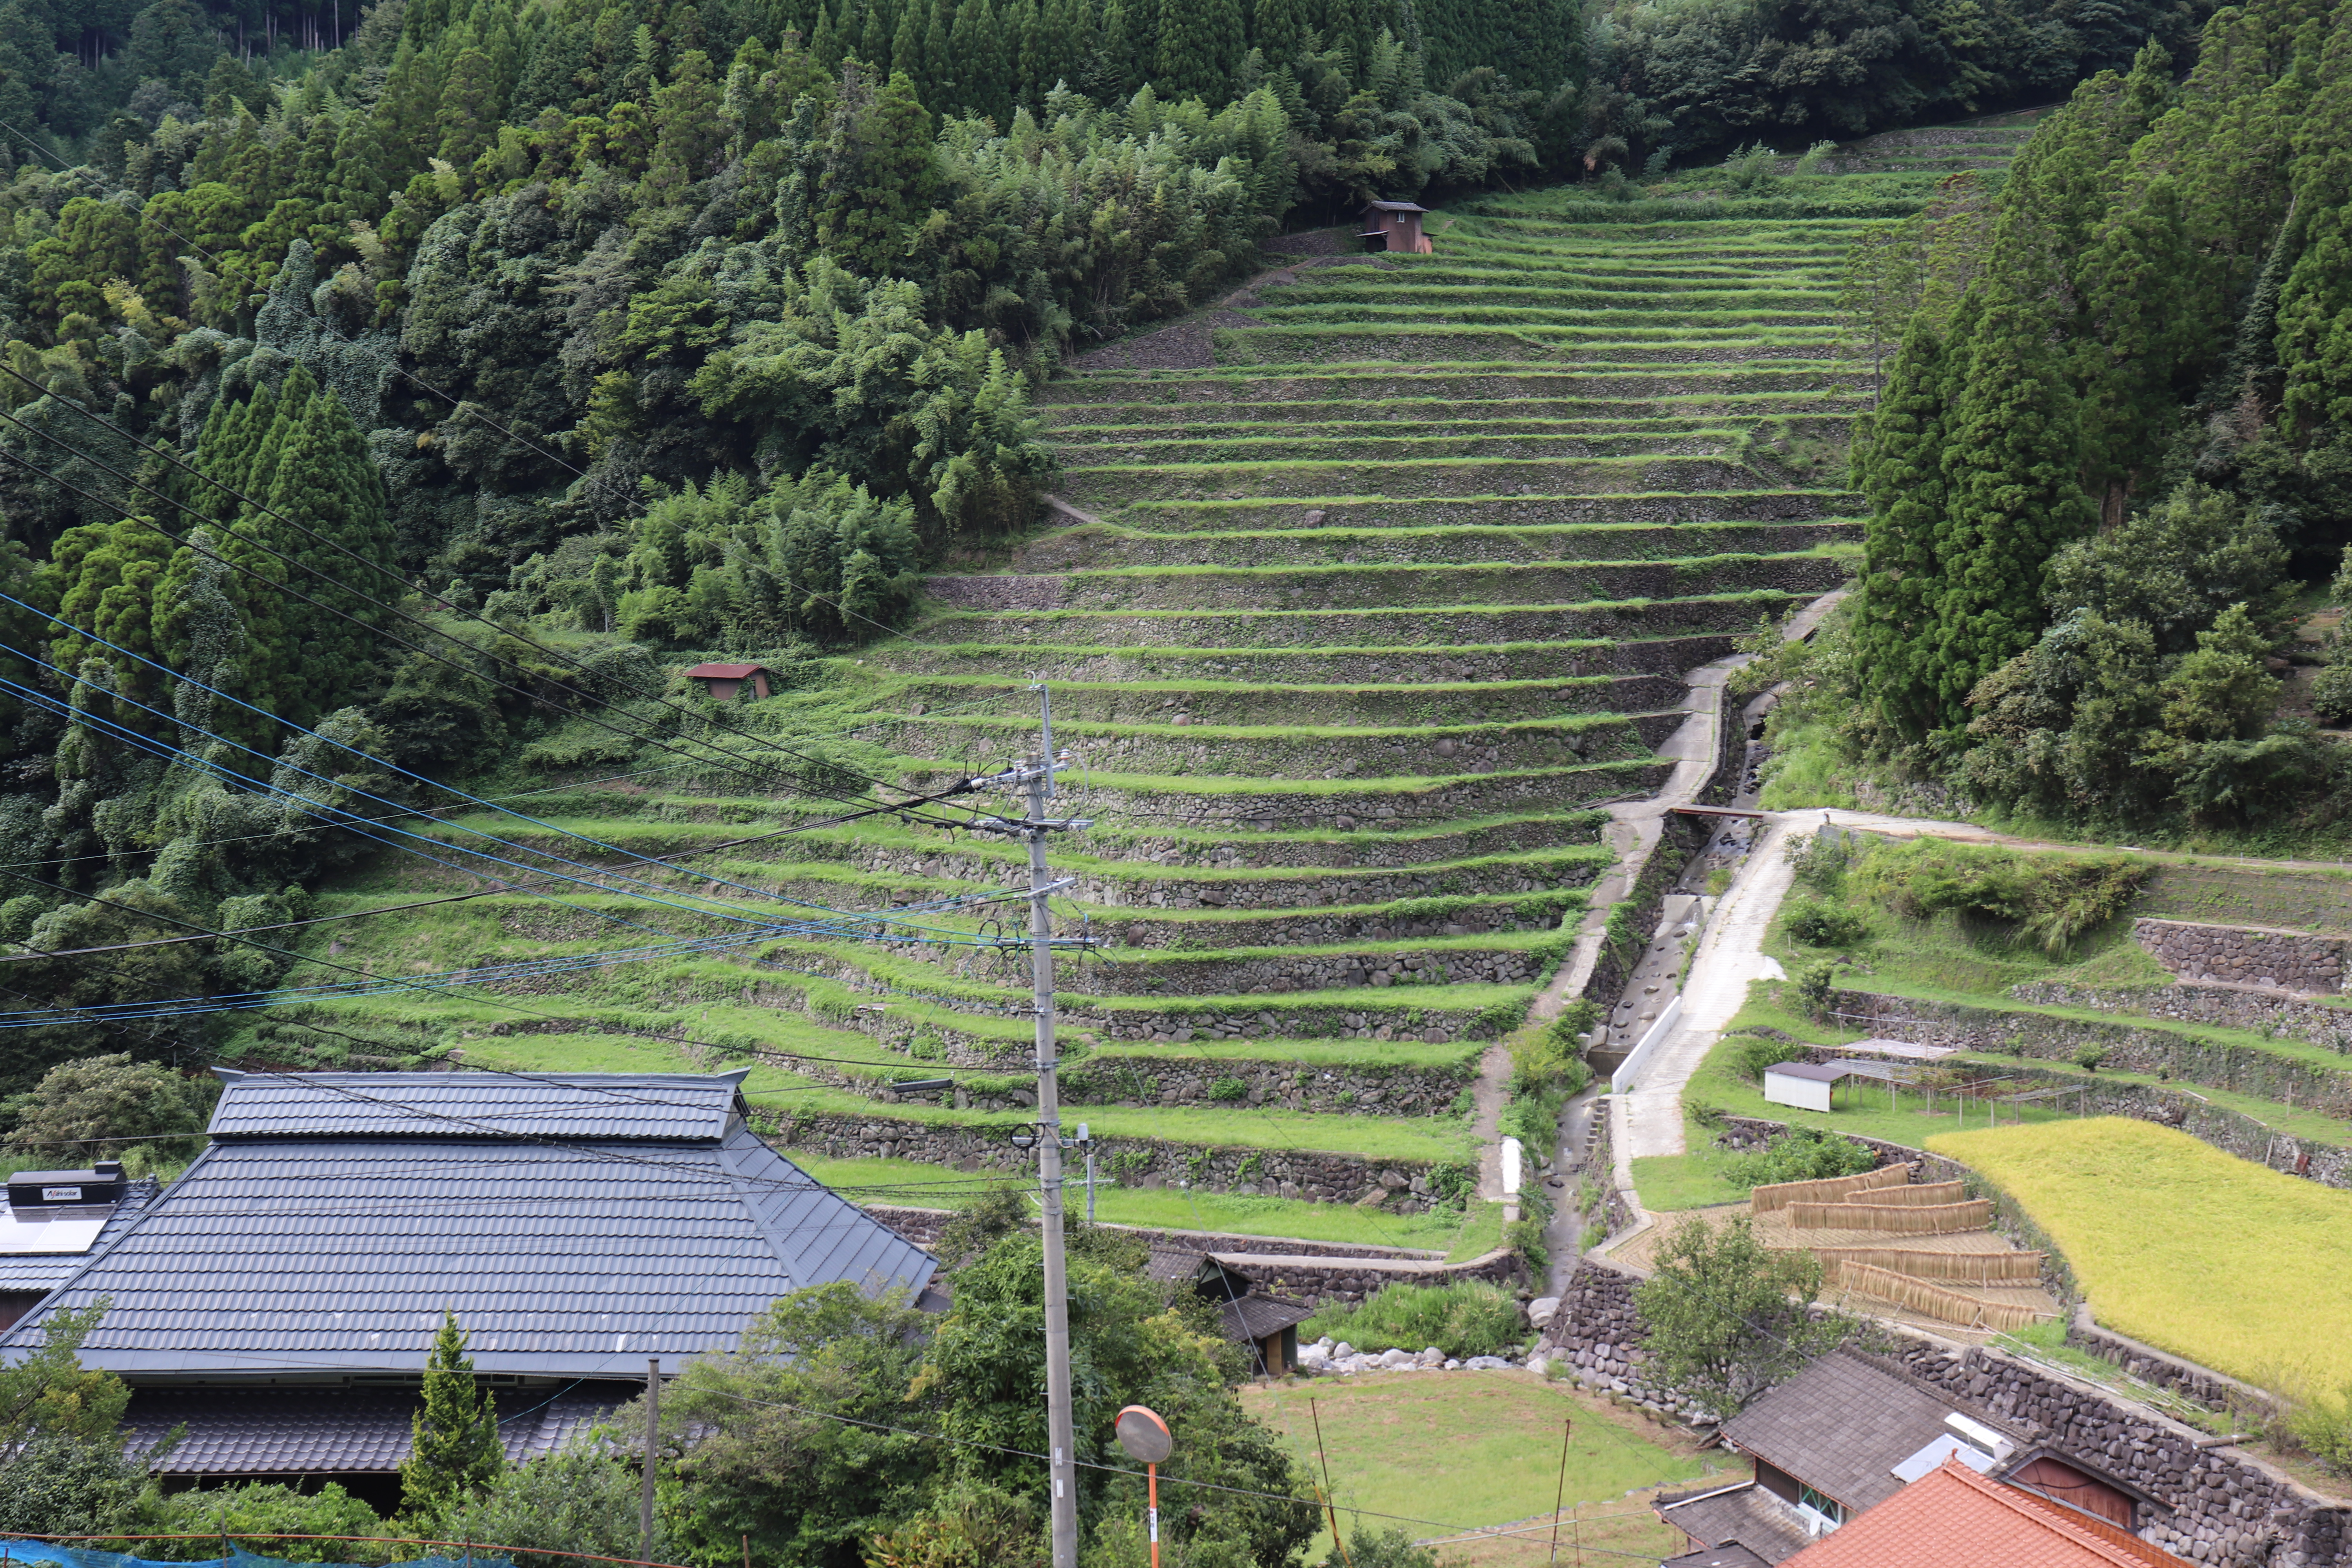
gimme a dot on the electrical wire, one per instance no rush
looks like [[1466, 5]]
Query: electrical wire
[[276, 587], [280, 764], [340, 548]]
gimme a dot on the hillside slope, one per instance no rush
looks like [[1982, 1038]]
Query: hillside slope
[[1366, 591]]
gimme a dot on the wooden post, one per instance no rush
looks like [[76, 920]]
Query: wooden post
[[1559, 1497]]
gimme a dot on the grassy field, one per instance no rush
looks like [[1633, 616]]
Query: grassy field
[[2243, 1269], [1455, 1451]]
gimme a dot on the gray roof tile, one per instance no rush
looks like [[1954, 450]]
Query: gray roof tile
[[668, 1108], [279, 1255], [1840, 1426], [332, 1431]]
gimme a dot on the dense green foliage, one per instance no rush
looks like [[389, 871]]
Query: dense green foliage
[[775, 1454], [1465, 1319], [99, 1107], [1800, 1154], [1727, 1317], [2051, 901], [1664, 78], [2110, 442]]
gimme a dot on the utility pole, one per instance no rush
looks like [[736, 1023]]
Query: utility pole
[[653, 1445], [1060, 1434]]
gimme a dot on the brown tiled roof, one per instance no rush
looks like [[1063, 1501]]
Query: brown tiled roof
[[1747, 1516], [723, 671], [1953, 1518], [1840, 1426]]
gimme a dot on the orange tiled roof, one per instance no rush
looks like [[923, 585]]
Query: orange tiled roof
[[1954, 1518]]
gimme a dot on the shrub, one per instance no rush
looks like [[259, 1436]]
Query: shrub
[[1226, 1090], [2322, 1422], [2050, 900], [1800, 1154], [2331, 694], [262, 1508], [95, 1107], [1492, 1022], [1390, 1548], [1758, 1052], [1820, 863], [1817, 924], [1468, 1318], [2089, 1058], [1813, 987]]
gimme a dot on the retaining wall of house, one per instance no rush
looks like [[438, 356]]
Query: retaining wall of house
[[2217, 1509]]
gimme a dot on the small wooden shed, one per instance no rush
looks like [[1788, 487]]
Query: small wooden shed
[[724, 680], [1252, 1316], [1397, 226]]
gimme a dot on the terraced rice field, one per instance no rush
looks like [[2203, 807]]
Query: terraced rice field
[[1366, 594]]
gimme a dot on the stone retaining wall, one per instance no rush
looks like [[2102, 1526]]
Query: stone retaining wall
[[1375, 1017], [2217, 1509], [2177, 1056], [1679, 838], [923, 1227], [2186, 1378], [1357, 1089], [1277, 976], [1401, 1186], [2318, 1021], [1437, 918], [2245, 955], [1325, 1281]]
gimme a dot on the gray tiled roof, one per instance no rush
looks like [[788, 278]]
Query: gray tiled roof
[[338, 1431], [1732, 1556], [1840, 1426], [1746, 1516], [24, 1273], [665, 1108], [278, 1256], [1259, 1317]]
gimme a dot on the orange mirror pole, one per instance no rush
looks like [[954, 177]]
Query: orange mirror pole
[[1145, 1436]]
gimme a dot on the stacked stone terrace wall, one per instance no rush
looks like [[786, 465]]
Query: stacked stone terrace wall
[[1324, 1280], [2325, 1022], [2245, 955], [1403, 1187], [2162, 1053]]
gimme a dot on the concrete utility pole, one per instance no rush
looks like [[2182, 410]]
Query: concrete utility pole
[[1060, 1436], [1036, 776]]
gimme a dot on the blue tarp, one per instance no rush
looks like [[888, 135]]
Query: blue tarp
[[13, 1551]]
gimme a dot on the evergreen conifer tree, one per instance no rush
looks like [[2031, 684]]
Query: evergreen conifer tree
[[2013, 497], [2314, 309], [1899, 464], [454, 1449]]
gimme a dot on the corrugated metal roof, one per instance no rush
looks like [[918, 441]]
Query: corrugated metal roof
[[338, 1431], [277, 1254], [668, 1108], [22, 1273]]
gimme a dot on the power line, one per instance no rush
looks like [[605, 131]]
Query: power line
[[133, 738], [279, 587]]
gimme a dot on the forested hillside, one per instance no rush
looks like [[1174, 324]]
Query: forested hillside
[[2111, 469]]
